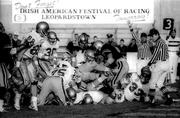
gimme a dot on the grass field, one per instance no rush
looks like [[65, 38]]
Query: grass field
[[123, 110], [78, 111]]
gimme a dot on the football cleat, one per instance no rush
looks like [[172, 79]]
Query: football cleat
[[33, 107]]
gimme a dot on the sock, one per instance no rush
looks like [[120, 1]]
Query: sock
[[17, 99], [1, 104], [34, 100]]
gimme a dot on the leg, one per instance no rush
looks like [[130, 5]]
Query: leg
[[2, 94], [121, 73], [164, 67], [34, 82], [44, 91], [59, 89]]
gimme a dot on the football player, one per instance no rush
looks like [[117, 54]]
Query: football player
[[59, 82], [86, 71], [118, 66], [27, 66], [131, 92], [79, 51], [48, 51], [134, 87]]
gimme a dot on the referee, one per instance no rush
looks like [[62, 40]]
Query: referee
[[144, 53], [159, 61]]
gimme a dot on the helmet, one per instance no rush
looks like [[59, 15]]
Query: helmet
[[71, 92], [98, 44], [42, 28], [90, 55], [139, 92], [146, 70], [119, 96], [83, 40], [133, 87], [52, 37], [145, 74], [87, 99]]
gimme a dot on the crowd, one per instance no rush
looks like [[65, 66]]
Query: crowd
[[35, 70]]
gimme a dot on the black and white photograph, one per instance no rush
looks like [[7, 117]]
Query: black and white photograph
[[89, 58]]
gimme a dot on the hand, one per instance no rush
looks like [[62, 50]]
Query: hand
[[129, 24]]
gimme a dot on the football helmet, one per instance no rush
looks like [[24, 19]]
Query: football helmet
[[52, 37], [133, 87], [87, 99], [83, 40], [145, 75], [119, 96], [98, 45], [90, 55], [71, 92], [42, 28]]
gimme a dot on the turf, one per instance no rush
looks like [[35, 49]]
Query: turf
[[77, 111]]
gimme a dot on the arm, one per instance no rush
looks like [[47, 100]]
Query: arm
[[134, 35], [100, 67]]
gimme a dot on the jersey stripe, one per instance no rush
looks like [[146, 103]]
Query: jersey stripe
[[144, 51], [160, 51], [120, 66]]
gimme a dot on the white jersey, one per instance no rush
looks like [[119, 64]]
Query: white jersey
[[36, 39], [173, 44], [97, 96], [129, 93], [48, 49], [64, 70]]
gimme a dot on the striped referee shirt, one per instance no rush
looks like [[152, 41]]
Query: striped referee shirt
[[160, 52], [144, 51]]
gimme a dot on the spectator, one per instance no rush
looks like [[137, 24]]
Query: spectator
[[173, 48], [111, 40], [132, 47], [95, 38], [123, 48]]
